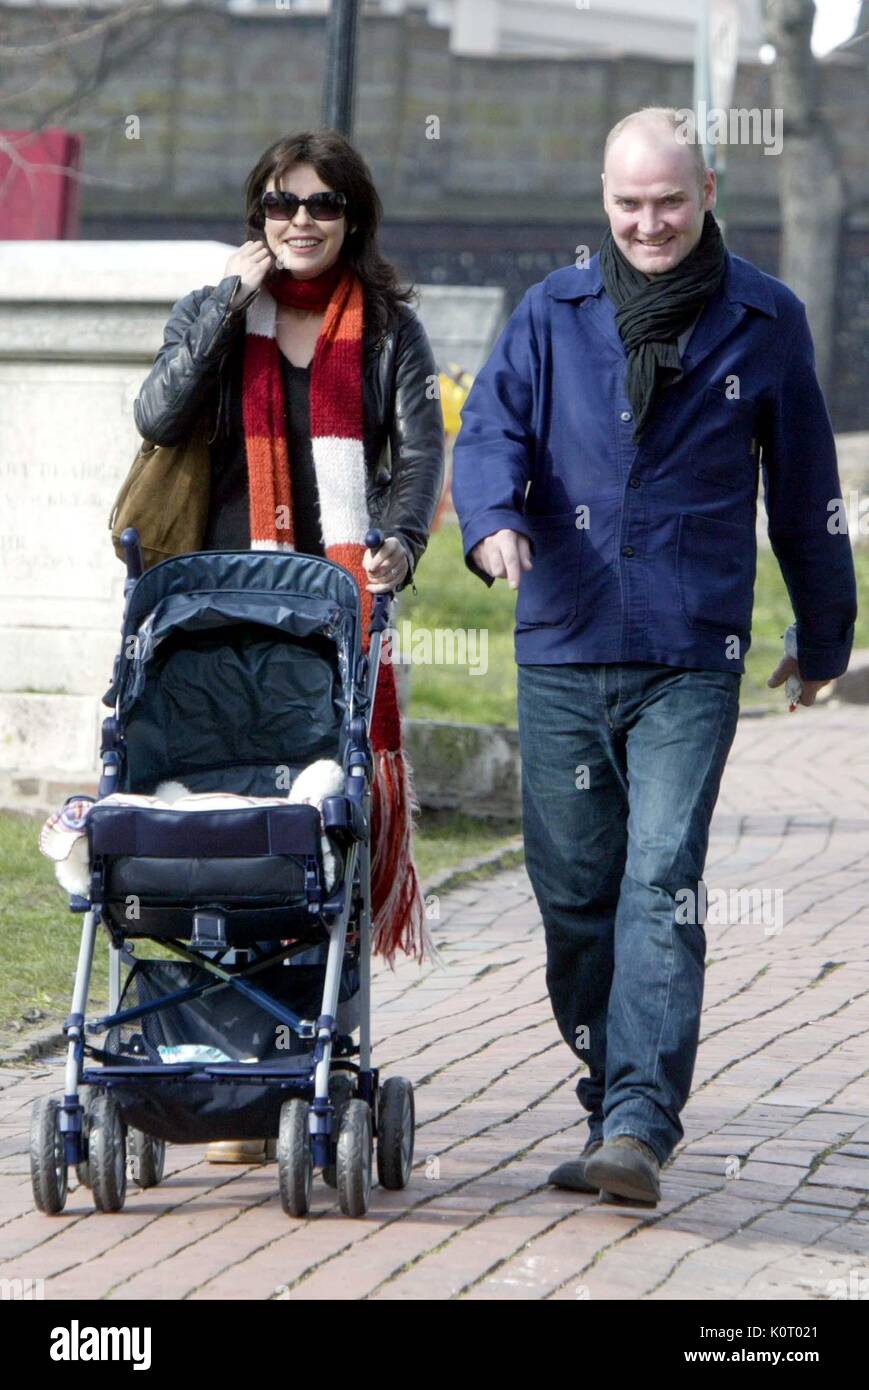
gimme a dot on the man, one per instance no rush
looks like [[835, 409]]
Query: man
[[607, 467]]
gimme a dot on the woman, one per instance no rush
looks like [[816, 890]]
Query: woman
[[319, 376]]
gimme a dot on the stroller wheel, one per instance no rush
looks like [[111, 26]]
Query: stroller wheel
[[47, 1161], [341, 1088], [295, 1161], [354, 1158], [82, 1169], [107, 1155], [395, 1133], [149, 1157]]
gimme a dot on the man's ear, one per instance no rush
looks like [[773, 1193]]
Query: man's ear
[[603, 189], [710, 191]]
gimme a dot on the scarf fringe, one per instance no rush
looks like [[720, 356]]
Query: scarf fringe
[[398, 912]]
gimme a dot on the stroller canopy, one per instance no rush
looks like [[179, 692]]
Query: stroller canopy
[[235, 665]]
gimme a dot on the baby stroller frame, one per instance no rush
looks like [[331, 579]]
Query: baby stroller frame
[[324, 1109]]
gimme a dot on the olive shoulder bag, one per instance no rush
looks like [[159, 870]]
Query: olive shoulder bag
[[165, 496]]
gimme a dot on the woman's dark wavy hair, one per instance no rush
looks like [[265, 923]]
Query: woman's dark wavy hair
[[342, 167]]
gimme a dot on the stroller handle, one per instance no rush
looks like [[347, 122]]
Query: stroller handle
[[135, 564], [380, 612], [374, 539], [132, 552]]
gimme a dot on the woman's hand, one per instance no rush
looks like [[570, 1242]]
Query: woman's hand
[[253, 261], [387, 568]]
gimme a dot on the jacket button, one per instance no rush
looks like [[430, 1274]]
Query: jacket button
[[635, 482], [626, 416], [627, 550]]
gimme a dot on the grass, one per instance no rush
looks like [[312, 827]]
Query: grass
[[40, 936], [451, 597], [444, 838]]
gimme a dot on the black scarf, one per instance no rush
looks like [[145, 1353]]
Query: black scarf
[[653, 310]]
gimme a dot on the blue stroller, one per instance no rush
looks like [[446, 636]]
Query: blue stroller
[[233, 666]]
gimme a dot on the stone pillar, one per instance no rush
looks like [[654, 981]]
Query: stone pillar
[[80, 323]]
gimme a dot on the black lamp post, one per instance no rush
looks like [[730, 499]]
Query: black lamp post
[[340, 80]]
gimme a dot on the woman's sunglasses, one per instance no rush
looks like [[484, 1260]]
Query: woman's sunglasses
[[323, 207]]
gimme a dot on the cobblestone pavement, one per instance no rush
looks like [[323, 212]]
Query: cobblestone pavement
[[766, 1198]]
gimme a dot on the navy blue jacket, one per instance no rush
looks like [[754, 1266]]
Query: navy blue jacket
[[648, 553]]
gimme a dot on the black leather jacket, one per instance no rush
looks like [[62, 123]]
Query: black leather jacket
[[199, 364]]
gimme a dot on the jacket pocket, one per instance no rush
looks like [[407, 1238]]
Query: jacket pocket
[[725, 452], [549, 591], [715, 563]]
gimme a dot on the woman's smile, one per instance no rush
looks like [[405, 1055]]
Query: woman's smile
[[290, 252]]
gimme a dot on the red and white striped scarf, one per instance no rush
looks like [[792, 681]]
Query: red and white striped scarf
[[336, 410]]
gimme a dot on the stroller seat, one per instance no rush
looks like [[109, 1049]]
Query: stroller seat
[[259, 866]]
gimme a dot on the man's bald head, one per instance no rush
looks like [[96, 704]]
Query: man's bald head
[[661, 125], [656, 188]]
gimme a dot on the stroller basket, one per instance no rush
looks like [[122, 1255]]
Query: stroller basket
[[196, 1101]]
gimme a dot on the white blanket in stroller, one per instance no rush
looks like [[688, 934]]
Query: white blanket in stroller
[[63, 837]]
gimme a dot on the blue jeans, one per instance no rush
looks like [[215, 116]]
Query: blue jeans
[[621, 765]]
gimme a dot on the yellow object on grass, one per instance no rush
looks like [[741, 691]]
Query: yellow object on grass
[[455, 383]]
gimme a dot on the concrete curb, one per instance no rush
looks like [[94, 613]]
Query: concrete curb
[[40, 1044], [467, 868]]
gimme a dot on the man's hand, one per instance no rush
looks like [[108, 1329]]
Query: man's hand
[[387, 568], [788, 666], [252, 261], [504, 555]]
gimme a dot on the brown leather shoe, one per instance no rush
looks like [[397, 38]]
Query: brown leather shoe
[[572, 1174], [627, 1167], [241, 1151], [611, 1199]]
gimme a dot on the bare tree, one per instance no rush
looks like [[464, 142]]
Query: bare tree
[[72, 57], [67, 36], [811, 192]]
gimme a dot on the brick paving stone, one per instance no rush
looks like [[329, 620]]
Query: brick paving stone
[[558, 1257], [850, 1175], [780, 1089]]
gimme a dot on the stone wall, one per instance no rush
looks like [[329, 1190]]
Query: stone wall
[[504, 194]]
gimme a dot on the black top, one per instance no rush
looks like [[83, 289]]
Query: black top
[[306, 506], [228, 525]]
